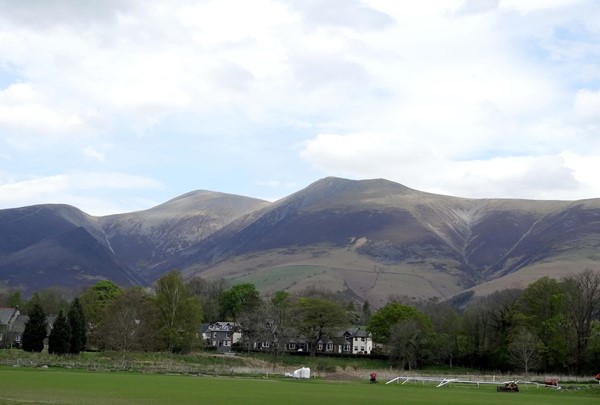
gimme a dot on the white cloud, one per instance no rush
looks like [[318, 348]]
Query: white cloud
[[587, 106], [436, 93], [74, 188], [536, 5], [24, 111], [92, 153], [349, 14], [477, 6], [407, 161]]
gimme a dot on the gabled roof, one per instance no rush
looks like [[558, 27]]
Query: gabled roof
[[357, 332], [6, 314], [19, 324], [222, 326]]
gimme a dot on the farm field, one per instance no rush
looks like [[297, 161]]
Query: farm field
[[59, 386]]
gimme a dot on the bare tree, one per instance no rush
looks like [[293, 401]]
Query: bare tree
[[407, 343], [583, 302], [209, 293], [524, 349]]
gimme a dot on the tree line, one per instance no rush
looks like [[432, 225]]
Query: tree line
[[552, 326]]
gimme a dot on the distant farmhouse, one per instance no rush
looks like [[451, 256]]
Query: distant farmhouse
[[224, 335], [12, 326], [221, 335], [350, 341], [8, 320]]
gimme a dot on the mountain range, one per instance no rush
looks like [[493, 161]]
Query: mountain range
[[371, 239]]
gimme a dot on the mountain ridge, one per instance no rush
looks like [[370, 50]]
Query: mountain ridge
[[375, 238]]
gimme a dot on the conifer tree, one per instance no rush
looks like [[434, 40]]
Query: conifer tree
[[60, 337], [78, 327], [35, 330]]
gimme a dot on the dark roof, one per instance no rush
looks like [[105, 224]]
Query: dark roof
[[357, 332], [19, 325], [6, 314]]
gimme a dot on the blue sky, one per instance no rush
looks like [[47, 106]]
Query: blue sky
[[116, 106]]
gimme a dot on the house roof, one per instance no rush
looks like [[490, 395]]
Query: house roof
[[357, 332], [221, 326], [6, 314], [19, 325]]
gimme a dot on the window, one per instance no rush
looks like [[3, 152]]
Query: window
[[320, 346], [292, 346], [329, 347], [347, 347], [362, 339], [362, 348]]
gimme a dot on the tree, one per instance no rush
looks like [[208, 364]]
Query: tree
[[446, 324], [52, 300], [366, 313], [11, 298], [405, 329], [254, 326], [180, 313], [317, 319], [582, 293], [78, 327], [407, 342], [35, 330], [594, 344], [59, 341], [542, 310], [384, 319], [524, 349], [281, 303], [239, 298], [209, 293], [268, 324], [278, 326], [94, 301], [130, 323], [96, 298], [487, 323]]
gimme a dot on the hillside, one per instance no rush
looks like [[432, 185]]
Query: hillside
[[59, 245], [371, 239], [377, 238]]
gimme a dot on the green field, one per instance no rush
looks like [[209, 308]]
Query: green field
[[280, 278], [56, 386]]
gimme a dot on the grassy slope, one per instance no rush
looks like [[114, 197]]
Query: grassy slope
[[338, 269], [71, 387]]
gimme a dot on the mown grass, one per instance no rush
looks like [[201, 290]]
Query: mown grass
[[323, 362], [49, 386]]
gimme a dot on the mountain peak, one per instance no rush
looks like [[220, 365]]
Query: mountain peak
[[344, 192]]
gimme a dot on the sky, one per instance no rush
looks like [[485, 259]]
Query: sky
[[120, 105]]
